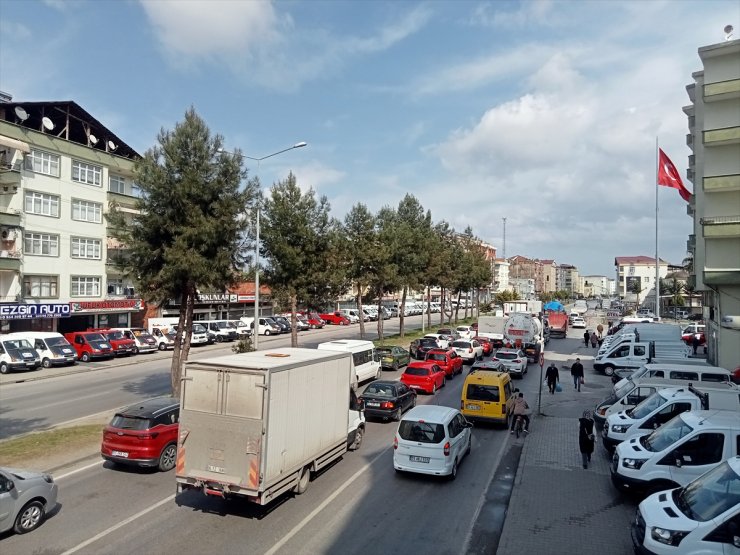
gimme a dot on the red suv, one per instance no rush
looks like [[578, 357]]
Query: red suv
[[144, 434], [89, 345], [447, 359], [119, 343]]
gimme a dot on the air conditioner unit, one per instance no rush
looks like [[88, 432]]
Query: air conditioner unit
[[8, 234], [732, 322]]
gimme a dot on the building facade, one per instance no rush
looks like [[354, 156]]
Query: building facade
[[567, 279], [500, 275], [524, 287], [714, 169], [548, 275], [636, 277], [596, 286]]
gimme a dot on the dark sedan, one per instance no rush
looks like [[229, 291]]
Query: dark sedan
[[387, 399], [393, 357], [420, 347]]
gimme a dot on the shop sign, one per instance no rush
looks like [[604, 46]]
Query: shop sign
[[28, 311], [245, 298], [215, 298], [107, 305]]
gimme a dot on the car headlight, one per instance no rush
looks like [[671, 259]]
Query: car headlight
[[96, 350], [620, 428], [634, 464], [666, 536]]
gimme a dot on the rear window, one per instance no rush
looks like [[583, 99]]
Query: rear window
[[461, 344], [383, 350], [436, 356], [380, 390], [411, 371], [131, 422], [477, 392], [428, 341], [709, 377], [423, 432], [506, 356]]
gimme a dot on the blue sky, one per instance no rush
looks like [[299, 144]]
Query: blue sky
[[542, 112]]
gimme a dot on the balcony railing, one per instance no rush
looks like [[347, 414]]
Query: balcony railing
[[10, 254]]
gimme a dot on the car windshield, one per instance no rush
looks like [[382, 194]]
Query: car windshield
[[445, 331], [57, 342], [427, 341], [380, 390], [710, 495], [624, 389], [384, 351], [506, 356], [124, 422], [114, 335], [17, 344], [198, 328], [477, 392], [423, 432], [412, 371], [141, 333], [94, 337], [648, 405], [665, 436], [461, 344]]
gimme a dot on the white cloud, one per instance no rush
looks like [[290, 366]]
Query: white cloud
[[317, 176], [528, 12]]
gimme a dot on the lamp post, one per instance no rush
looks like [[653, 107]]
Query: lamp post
[[257, 307]]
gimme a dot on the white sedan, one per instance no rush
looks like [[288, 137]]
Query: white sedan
[[442, 340], [578, 322]]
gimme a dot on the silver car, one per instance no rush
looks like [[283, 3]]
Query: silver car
[[26, 497]]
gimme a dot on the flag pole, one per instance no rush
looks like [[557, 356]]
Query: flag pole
[[657, 260]]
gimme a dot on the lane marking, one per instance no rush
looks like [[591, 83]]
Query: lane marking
[[78, 470], [121, 524], [298, 527]]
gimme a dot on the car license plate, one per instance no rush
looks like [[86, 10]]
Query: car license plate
[[372, 404], [66, 351], [472, 407], [415, 387], [30, 363], [414, 458], [123, 454], [219, 469]]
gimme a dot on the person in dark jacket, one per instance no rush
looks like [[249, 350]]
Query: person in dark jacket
[[586, 437], [586, 337], [577, 372], [552, 376]]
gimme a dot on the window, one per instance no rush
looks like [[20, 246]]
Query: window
[[703, 449], [689, 376], [44, 205], [85, 211], [362, 358], [478, 392], [41, 286], [85, 286], [43, 162], [117, 184], [639, 351], [41, 244], [86, 173], [423, 432], [86, 248], [115, 287]]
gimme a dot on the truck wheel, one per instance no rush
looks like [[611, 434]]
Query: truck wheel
[[46, 363], [302, 485], [608, 370], [162, 347], [359, 434], [219, 339], [3, 368], [267, 332]]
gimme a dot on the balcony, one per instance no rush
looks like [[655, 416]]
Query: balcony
[[722, 90], [690, 140], [690, 209], [10, 260], [691, 243], [721, 183], [9, 217], [721, 226], [720, 137]]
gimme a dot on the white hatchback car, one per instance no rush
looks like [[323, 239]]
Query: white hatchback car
[[578, 322], [468, 349], [514, 360], [431, 440], [442, 340], [465, 332]]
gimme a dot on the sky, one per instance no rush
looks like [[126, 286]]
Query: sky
[[545, 113]]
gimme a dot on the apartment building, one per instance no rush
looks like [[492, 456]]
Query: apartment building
[[714, 169], [60, 171], [567, 279], [500, 275], [636, 277], [547, 272], [596, 286]]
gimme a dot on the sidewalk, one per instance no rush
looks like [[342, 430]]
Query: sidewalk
[[556, 506]]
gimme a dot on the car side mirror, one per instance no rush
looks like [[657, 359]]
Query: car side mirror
[[678, 463], [10, 485], [468, 424]]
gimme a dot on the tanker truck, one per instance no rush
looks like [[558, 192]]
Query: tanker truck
[[524, 331]]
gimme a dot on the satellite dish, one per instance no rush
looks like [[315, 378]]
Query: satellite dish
[[21, 113], [728, 31], [112, 145], [48, 124], [93, 139]]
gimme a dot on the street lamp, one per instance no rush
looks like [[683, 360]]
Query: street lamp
[[257, 307]]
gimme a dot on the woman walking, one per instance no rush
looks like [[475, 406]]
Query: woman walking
[[586, 437]]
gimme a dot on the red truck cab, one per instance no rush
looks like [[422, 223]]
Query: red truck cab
[[119, 343], [89, 345], [335, 318]]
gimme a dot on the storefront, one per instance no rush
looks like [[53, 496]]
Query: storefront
[[32, 316], [112, 313], [230, 305]]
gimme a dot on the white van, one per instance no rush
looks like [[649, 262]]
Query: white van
[[52, 347], [676, 453], [145, 342], [690, 370], [17, 353], [353, 315], [661, 407], [366, 366], [701, 518], [223, 329], [266, 326]]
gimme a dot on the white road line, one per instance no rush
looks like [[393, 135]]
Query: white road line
[[121, 524], [298, 527], [77, 470]]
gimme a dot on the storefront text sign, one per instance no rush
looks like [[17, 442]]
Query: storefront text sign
[[107, 306], [28, 311]]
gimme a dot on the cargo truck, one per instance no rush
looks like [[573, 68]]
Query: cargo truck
[[524, 331], [258, 425], [558, 322]]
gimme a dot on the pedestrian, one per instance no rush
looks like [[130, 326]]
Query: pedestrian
[[552, 376], [695, 342], [577, 372], [586, 437], [586, 337], [594, 340]]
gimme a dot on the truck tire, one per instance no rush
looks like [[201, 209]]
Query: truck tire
[[46, 363], [608, 370], [162, 347], [359, 434], [302, 484]]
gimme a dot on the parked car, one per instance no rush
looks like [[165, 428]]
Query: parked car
[[465, 332], [469, 350], [578, 322], [335, 319], [694, 330], [392, 357], [486, 343], [284, 323], [514, 360], [89, 345], [424, 376], [144, 434], [448, 331], [387, 399], [121, 345], [301, 322], [26, 497], [17, 353], [448, 359], [314, 320], [433, 440], [442, 340], [420, 347]]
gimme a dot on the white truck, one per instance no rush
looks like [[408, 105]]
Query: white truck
[[580, 307], [163, 330], [524, 331], [634, 355], [257, 425], [531, 307]]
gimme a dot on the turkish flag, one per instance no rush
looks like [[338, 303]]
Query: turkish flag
[[668, 176]]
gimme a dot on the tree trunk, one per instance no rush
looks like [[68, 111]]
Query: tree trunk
[[380, 319], [457, 308], [442, 306], [401, 311], [293, 328], [182, 339], [467, 294], [360, 313], [429, 307]]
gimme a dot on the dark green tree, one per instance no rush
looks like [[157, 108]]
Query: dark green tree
[[189, 231], [385, 277]]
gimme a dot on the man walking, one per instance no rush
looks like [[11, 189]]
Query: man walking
[[577, 372], [586, 337], [552, 376]]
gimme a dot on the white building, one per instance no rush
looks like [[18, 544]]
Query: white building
[[636, 277], [612, 287], [524, 287], [500, 275], [61, 170], [596, 286], [714, 169]]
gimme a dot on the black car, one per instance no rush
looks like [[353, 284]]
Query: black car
[[420, 347], [283, 322], [283, 326], [387, 399], [695, 317]]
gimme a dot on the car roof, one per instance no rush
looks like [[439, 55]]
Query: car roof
[[485, 375], [150, 407], [421, 364], [440, 350], [488, 366], [712, 418], [430, 413], [384, 382], [507, 350]]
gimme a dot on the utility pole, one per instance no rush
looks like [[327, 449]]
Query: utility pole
[[504, 238]]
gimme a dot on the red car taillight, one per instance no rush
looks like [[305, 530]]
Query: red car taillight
[[470, 350], [518, 361], [395, 443], [150, 435], [387, 405], [447, 449]]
